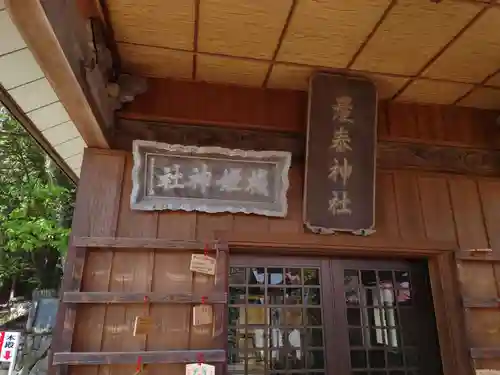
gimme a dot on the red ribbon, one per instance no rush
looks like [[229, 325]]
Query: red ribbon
[[138, 367], [200, 358], [203, 299], [146, 299]]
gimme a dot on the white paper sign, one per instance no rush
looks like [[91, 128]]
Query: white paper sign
[[200, 369], [10, 343]]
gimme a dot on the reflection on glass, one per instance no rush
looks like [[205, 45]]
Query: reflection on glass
[[355, 337], [293, 276], [378, 309], [293, 317], [312, 296], [294, 296], [237, 275], [275, 322], [313, 317], [237, 295], [311, 276]]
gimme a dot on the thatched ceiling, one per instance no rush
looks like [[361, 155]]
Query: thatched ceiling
[[416, 50]]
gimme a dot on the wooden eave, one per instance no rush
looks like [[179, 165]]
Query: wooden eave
[[249, 57], [41, 89]]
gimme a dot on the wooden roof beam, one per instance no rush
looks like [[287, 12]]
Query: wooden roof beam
[[52, 54]]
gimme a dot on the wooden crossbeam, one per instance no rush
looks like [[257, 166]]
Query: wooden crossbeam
[[151, 297], [145, 243], [485, 353], [480, 303], [164, 356], [478, 255]]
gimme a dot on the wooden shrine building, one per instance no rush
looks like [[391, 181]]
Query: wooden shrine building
[[269, 186]]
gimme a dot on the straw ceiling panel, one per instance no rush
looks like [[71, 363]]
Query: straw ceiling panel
[[425, 91], [410, 45], [294, 77], [297, 78], [164, 23], [242, 28], [475, 55], [388, 86], [494, 81], [228, 70], [328, 33], [482, 97], [414, 50], [156, 62]]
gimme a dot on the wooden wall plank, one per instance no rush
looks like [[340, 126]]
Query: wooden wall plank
[[382, 120], [130, 272], [402, 120], [292, 223], [74, 268], [477, 280], [171, 275], [134, 223], [178, 225], [208, 225], [243, 223], [430, 122], [445, 335], [485, 128], [386, 219], [436, 208], [98, 194], [202, 103], [408, 205], [489, 190], [454, 314], [467, 213], [286, 110], [96, 214], [484, 328], [91, 318]]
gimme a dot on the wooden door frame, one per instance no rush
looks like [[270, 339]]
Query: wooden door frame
[[440, 256]]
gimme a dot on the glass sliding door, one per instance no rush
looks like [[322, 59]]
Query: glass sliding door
[[330, 316]]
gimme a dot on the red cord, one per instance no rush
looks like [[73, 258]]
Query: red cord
[[200, 358], [206, 250], [138, 367]]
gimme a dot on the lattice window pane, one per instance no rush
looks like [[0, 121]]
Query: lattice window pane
[[275, 320], [379, 307]]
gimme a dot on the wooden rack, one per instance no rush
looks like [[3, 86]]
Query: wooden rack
[[72, 296], [464, 259]]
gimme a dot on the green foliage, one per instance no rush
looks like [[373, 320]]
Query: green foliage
[[35, 209]]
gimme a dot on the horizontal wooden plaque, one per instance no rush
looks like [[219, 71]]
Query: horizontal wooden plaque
[[209, 179]]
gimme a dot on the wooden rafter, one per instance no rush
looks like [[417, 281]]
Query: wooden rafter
[[166, 356], [38, 33], [118, 297]]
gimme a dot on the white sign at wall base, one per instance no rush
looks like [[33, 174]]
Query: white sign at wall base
[[200, 369], [10, 344]]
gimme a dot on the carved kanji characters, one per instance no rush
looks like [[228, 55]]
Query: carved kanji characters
[[339, 203]]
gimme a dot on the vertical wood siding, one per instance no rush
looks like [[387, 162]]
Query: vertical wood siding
[[410, 206]]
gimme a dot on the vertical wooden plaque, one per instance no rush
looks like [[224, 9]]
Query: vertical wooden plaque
[[339, 191]]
